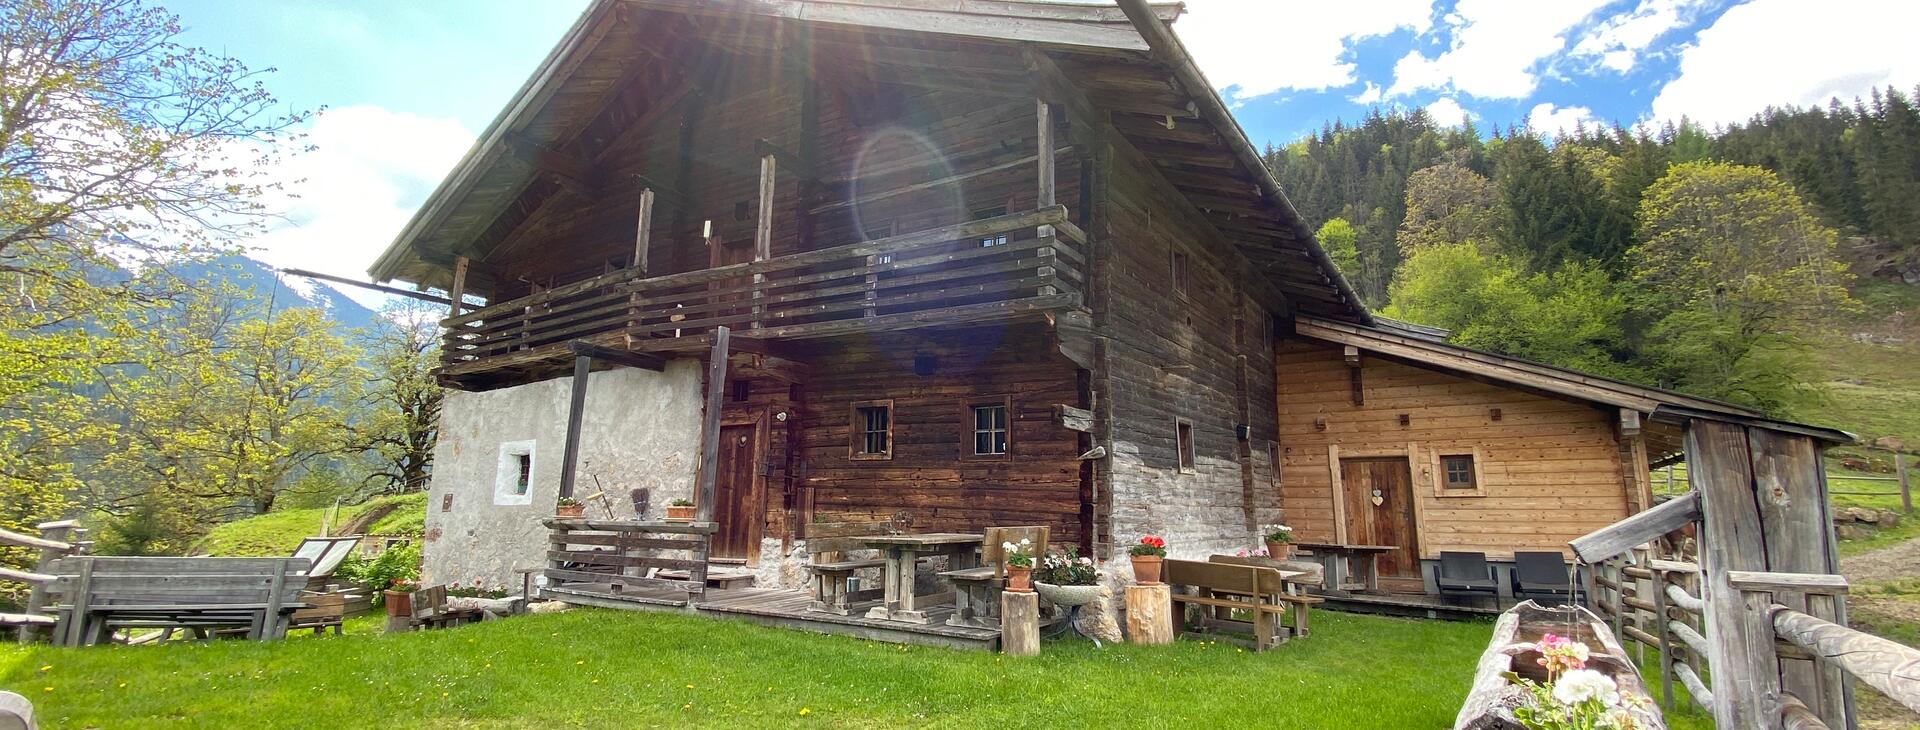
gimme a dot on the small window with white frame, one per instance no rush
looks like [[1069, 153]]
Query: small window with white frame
[[988, 427], [513, 480]]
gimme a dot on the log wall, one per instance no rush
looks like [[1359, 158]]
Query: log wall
[[1551, 469]]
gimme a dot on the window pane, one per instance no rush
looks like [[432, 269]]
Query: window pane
[[1000, 442]]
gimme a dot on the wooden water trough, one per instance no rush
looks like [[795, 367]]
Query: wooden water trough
[[1491, 704]]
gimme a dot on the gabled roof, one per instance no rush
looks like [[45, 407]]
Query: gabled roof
[[1122, 63], [1658, 403]]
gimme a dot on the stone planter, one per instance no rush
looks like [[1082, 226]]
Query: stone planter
[[680, 512], [1068, 596], [1146, 569]]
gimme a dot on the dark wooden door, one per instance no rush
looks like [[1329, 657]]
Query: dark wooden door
[[1388, 523], [736, 502]]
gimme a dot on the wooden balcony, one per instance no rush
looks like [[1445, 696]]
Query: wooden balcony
[[943, 276]]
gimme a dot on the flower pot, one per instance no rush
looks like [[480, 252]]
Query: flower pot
[[1279, 550], [1146, 569], [1020, 580], [399, 603], [570, 511], [680, 513], [1068, 596]]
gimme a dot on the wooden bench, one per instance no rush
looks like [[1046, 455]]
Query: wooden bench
[[976, 591], [1219, 589], [95, 595], [827, 546]]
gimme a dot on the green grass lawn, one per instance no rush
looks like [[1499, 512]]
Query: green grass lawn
[[279, 532], [596, 668]]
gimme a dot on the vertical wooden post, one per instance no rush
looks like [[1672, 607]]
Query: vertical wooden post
[[1906, 490], [1740, 637], [1020, 623], [763, 235], [459, 290], [710, 427], [67, 531], [1660, 632], [570, 460], [643, 231], [1044, 195]]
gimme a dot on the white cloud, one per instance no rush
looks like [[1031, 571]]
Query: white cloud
[[1371, 95], [345, 200], [1770, 52], [1549, 119], [1447, 113], [1257, 47], [1496, 45], [1617, 42]]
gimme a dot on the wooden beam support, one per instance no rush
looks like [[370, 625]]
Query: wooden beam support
[[574, 174], [583, 348], [1046, 186], [642, 231], [570, 459], [710, 427], [459, 288]]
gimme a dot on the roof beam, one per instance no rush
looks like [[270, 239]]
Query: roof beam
[[573, 173]]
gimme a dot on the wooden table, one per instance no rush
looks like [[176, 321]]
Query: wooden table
[[903, 553], [1336, 558], [1295, 573]]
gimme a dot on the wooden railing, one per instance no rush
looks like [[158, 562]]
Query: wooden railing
[[937, 276], [57, 540], [622, 554]]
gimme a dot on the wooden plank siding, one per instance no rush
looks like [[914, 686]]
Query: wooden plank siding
[[931, 473], [1551, 469]]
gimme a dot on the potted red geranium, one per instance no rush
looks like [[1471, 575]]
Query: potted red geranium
[[1147, 556], [399, 596]]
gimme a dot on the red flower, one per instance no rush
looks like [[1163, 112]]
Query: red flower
[[1153, 541]]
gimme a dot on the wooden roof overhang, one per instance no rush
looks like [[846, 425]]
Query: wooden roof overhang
[[1666, 411], [626, 61]]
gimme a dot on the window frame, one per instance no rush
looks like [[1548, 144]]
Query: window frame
[[857, 431], [969, 431], [507, 489], [1186, 446], [998, 239], [1477, 459]]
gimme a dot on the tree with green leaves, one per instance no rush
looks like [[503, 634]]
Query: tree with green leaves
[[403, 398], [1449, 203], [1336, 238]]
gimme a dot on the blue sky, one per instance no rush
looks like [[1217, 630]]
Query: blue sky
[[407, 85]]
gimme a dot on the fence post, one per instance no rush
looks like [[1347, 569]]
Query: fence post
[[1659, 585], [1900, 470], [67, 531]]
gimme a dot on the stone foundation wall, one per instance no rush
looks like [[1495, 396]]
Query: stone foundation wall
[[640, 430]]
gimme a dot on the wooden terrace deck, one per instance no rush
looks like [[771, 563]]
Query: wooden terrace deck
[[780, 607]]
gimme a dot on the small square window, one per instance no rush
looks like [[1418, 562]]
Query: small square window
[[989, 429], [1183, 444], [1457, 472], [872, 430], [513, 481]]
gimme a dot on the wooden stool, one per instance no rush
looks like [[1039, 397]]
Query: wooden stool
[[1020, 623], [1150, 614]]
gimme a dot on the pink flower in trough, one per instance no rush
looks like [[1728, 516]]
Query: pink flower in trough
[[1559, 654]]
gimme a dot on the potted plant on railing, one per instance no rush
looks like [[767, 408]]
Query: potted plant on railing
[[1019, 564], [1147, 556], [1279, 542], [399, 596], [568, 508], [680, 510], [1068, 580]]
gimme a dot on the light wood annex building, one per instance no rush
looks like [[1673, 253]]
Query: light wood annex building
[[980, 263]]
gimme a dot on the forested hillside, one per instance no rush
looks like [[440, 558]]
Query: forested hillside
[[1709, 260]]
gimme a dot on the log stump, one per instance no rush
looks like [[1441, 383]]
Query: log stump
[[1150, 614], [1020, 623]]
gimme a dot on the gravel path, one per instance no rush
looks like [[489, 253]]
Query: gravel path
[[1886, 565]]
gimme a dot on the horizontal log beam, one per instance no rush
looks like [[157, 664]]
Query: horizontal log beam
[[638, 360]]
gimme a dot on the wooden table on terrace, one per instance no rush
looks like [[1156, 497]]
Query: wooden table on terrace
[[1295, 573], [1337, 557], [903, 553]]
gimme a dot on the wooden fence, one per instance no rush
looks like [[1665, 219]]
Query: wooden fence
[[1673, 478], [1803, 663], [57, 540]]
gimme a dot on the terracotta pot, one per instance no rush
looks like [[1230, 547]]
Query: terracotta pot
[[570, 511], [399, 603], [1020, 580], [680, 512], [1279, 550], [1146, 569]]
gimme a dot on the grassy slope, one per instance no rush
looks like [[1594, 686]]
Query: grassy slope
[[1875, 388], [591, 668], [278, 533]]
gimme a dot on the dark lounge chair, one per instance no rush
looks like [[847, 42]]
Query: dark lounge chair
[[1542, 575], [1466, 574]]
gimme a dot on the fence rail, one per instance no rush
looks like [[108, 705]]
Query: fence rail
[[57, 540]]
